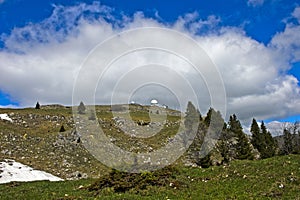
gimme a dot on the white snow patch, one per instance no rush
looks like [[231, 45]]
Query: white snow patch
[[11, 170], [5, 117]]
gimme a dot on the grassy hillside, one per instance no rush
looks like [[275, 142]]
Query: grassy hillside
[[274, 178], [33, 138]]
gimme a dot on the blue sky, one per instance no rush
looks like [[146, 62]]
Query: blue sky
[[261, 21], [269, 26]]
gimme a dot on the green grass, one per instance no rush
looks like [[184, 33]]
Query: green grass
[[260, 179]]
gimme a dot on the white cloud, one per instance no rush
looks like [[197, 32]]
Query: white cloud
[[41, 61], [296, 14], [255, 3], [288, 41]]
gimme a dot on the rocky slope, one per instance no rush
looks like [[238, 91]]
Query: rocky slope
[[32, 137]]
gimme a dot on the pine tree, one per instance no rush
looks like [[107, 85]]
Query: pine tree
[[37, 105], [62, 129], [191, 116], [81, 108], [208, 117], [234, 124], [262, 140], [224, 144], [269, 147], [191, 123], [256, 139], [288, 142], [243, 147], [296, 132]]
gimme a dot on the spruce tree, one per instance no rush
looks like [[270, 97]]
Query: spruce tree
[[288, 142], [81, 108], [243, 147], [269, 147], [234, 124], [296, 133], [262, 140], [257, 140], [191, 117], [37, 105], [208, 117], [191, 122], [224, 144], [62, 129]]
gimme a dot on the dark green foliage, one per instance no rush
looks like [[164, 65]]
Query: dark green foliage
[[234, 124], [288, 142], [208, 117], [256, 139], [296, 131], [207, 135], [62, 129], [81, 108], [224, 144], [262, 140], [295, 136], [215, 124], [122, 181], [192, 116], [191, 123], [37, 105], [200, 117], [243, 148], [269, 142], [204, 162]]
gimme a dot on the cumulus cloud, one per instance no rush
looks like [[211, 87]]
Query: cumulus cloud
[[296, 14], [41, 61], [288, 41], [255, 3]]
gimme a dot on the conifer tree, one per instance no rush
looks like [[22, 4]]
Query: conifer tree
[[191, 116], [269, 147], [243, 147], [296, 133], [257, 139], [62, 129], [262, 140], [288, 142], [234, 124], [191, 122], [208, 117], [37, 105], [81, 108], [224, 144]]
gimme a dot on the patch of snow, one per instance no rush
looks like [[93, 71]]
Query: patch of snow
[[11, 170], [5, 117]]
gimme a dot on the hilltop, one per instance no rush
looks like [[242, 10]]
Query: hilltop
[[33, 137], [46, 139]]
